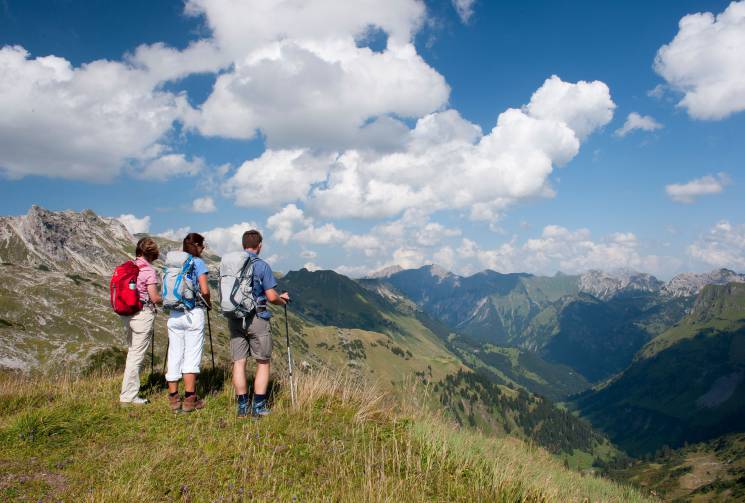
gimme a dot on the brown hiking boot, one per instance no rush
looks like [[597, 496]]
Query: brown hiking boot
[[174, 402], [191, 403]]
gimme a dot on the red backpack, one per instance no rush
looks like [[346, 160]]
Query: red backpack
[[125, 299]]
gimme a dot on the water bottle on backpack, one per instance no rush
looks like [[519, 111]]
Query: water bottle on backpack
[[179, 291]]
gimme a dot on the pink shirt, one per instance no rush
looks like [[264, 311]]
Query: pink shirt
[[146, 277]]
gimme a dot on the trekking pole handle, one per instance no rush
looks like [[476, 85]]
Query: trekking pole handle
[[288, 300]]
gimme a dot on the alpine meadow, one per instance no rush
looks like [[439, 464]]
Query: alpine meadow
[[372, 250]]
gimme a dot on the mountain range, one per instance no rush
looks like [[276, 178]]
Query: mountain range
[[645, 364]]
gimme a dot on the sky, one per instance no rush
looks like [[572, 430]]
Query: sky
[[514, 136]]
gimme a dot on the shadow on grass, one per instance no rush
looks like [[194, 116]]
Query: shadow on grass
[[209, 382]]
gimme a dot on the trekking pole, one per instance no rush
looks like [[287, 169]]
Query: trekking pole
[[209, 331], [152, 350], [289, 358]]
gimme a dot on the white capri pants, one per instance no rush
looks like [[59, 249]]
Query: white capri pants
[[186, 341]]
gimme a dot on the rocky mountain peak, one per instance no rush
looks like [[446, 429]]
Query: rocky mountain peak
[[605, 285], [691, 283], [65, 240], [385, 272]]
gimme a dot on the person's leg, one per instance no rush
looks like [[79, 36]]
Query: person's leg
[[261, 349], [193, 346], [139, 332], [261, 381], [239, 377], [175, 358]]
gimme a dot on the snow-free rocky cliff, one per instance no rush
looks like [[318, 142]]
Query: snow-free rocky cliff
[[66, 241]]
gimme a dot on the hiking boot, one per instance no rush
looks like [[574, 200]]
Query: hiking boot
[[260, 410], [192, 403], [243, 409], [136, 401], [174, 402]]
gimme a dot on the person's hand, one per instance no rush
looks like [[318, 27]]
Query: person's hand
[[285, 297]]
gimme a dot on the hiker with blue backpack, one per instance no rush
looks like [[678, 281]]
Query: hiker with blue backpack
[[246, 285], [186, 295], [134, 295]]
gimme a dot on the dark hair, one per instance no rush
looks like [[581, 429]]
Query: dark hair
[[191, 242], [252, 239], [148, 248]]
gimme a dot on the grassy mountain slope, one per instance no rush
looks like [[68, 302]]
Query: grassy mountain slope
[[69, 441], [690, 391], [712, 471]]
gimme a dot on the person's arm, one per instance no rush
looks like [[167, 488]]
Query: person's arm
[[274, 298], [154, 294], [204, 290]]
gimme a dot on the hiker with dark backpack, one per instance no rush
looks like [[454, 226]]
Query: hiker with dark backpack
[[134, 294], [246, 285], [186, 295]]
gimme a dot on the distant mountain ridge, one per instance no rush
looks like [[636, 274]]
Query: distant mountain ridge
[[83, 242]]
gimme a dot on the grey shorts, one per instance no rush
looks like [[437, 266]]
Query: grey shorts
[[255, 340]]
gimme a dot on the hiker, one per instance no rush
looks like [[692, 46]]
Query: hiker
[[250, 332], [140, 325], [187, 296]]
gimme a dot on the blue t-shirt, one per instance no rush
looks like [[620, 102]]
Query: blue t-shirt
[[199, 269], [263, 281]]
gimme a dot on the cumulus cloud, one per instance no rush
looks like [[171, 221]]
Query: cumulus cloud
[[221, 240], [704, 186], [135, 225], [446, 163], [291, 223], [464, 8], [303, 81], [95, 118], [722, 246], [636, 121], [571, 251], [175, 234], [169, 166], [203, 205], [705, 62]]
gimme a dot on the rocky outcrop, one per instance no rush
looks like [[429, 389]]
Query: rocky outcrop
[[691, 283], [64, 240], [605, 285]]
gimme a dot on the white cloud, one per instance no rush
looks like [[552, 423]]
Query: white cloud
[[285, 224], [447, 162], [311, 266], [308, 254], [569, 251], [276, 177], [704, 186], [175, 234], [170, 166], [135, 225], [722, 246], [303, 81], [221, 240], [203, 205], [464, 8], [705, 62], [636, 121], [583, 107], [81, 123]]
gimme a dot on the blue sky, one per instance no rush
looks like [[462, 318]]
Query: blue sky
[[359, 135]]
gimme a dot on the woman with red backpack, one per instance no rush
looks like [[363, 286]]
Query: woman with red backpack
[[140, 324]]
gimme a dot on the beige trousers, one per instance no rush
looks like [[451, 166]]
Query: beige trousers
[[139, 328]]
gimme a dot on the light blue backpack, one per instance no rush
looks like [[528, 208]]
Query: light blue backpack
[[179, 292]]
